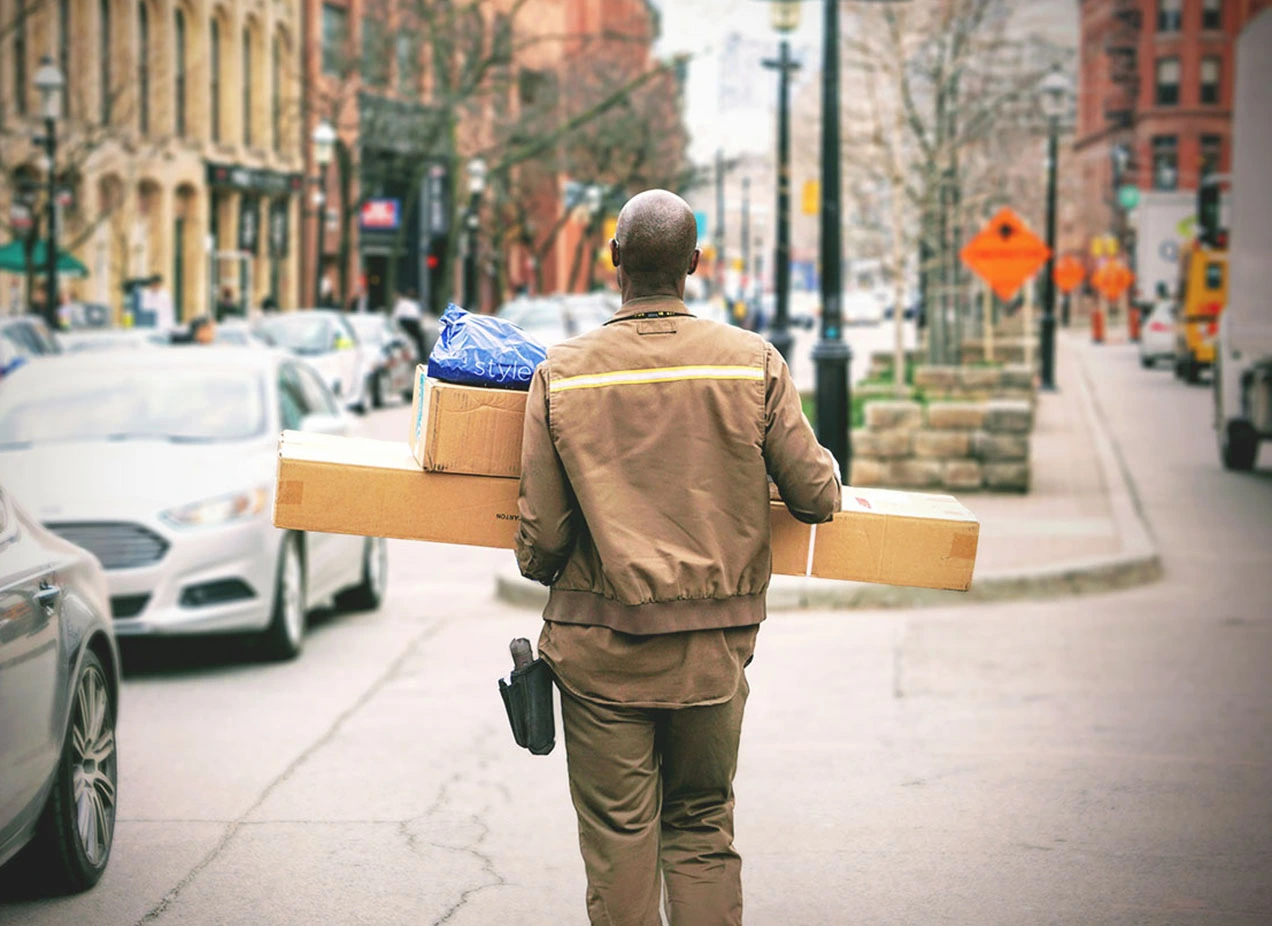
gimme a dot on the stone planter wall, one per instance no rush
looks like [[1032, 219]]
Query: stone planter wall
[[977, 383], [955, 445]]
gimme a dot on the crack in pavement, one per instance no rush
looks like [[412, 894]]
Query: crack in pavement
[[327, 735]]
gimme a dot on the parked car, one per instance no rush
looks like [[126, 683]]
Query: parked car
[[29, 335], [551, 319], [161, 463], [326, 339], [240, 334], [59, 703], [86, 339], [1157, 334], [392, 367]]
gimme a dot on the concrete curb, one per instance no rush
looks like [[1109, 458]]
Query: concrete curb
[[1137, 563]]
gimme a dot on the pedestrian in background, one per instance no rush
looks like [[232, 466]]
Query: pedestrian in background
[[226, 306], [407, 313], [644, 505]]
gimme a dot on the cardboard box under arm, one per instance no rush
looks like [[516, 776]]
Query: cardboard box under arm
[[376, 488], [466, 429]]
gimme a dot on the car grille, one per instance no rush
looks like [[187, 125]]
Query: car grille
[[122, 606], [118, 546]]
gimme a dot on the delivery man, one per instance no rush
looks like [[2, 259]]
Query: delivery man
[[645, 507]]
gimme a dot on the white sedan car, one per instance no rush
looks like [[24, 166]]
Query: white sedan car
[[161, 463], [327, 340], [1157, 334]]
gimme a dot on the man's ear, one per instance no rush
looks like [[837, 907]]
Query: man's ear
[[693, 260], [615, 255]]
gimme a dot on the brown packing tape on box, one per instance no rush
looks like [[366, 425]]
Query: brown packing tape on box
[[376, 488], [466, 429]]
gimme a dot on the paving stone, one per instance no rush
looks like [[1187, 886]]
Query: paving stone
[[962, 474], [1008, 416], [1007, 477], [998, 447], [914, 474], [945, 415], [943, 444], [882, 416], [983, 379], [868, 472], [936, 377]]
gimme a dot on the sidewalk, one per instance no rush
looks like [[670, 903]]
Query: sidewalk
[[1078, 530]]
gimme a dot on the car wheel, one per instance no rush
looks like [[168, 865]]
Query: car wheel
[[369, 593], [1238, 446], [285, 636], [1146, 362], [376, 387], [75, 832], [1192, 371]]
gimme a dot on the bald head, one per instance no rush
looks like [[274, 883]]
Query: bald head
[[656, 243]]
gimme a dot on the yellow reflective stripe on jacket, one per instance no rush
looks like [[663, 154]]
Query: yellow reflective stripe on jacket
[[655, 375]]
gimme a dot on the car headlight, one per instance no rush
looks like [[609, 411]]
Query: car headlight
[[220, 510]]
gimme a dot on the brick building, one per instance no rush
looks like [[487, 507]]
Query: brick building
[[178, 140], [1154, 113]]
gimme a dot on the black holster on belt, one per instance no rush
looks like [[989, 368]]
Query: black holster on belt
[[528, 697]]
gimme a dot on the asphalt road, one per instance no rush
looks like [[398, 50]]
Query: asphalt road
[[1098, 760]]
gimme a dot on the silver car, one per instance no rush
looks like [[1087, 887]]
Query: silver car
[[162, 464], [59, 701]]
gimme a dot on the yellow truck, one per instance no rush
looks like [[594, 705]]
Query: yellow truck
[[1203, 293]]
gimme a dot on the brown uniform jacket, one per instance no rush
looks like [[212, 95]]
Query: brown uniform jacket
[[644, 483]]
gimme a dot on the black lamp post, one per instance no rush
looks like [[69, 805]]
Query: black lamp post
[[1055, 89], [476, 186], [51, 84], [324, 139], [785, 21]]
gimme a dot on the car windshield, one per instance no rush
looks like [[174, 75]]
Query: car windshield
[[167, 403], [305, 335], [369, 328]]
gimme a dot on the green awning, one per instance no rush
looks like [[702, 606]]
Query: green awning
[[13, 260]]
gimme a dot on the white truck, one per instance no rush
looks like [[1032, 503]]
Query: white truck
[[1243, 361]]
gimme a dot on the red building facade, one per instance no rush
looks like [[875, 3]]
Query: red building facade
[[1154, 101]]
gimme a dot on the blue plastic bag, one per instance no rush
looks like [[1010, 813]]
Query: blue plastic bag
[[483, 350]]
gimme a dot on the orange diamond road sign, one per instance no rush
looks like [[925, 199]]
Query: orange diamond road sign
[[1069, 273], [1113, 279], [1005, 253]]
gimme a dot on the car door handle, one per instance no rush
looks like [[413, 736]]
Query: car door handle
[[48, 594]]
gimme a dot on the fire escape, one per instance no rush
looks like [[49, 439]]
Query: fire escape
[[1121, 46]]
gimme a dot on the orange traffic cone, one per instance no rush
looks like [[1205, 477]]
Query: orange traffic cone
[[1133, 323]]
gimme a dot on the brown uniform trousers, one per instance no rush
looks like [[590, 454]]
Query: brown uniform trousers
[[653, 789]]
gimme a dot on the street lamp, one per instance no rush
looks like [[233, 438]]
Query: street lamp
[[51, 85], [324, 141], [785, 20], [476, 186], [1054, 91]]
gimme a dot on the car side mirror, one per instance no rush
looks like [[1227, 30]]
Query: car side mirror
[[343, 343], [335, 425]]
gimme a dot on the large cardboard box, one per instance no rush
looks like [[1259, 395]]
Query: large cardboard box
[[466, 429], [349, 485], [884, 536], [376, 488]]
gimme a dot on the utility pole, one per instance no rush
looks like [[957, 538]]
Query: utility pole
[[719, 229], [831, 355], [780, 334]]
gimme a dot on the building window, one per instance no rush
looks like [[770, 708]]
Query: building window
[[375, 57], [1212, 14], [20, 59], [335, 30], [1165, 162], [1170, 15], [247, 88], [1211, 154], [534, 88], [214, 79], [1210, 80], [276, 96], [408, 63], [103, 61], [179, 73], [1167, 81], [64, 51]]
